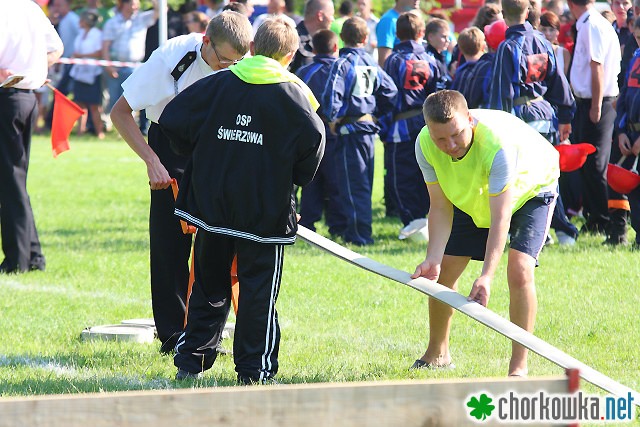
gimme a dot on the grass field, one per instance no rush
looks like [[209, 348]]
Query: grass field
[[338, 322]]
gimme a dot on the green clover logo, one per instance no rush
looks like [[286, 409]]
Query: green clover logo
[[482, 408]]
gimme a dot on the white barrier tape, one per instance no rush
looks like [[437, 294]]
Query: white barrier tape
[[473, 310], [100, 62]]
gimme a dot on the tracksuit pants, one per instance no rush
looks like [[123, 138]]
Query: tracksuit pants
[[407, 186], [321, 194], [169, 247], [20, 243], [257, 334], [354, 167]]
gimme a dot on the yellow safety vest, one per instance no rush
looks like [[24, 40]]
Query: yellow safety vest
[[465, 182]]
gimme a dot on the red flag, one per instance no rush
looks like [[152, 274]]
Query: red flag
[[65, 115]]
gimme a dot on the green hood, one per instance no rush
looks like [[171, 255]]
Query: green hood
[[261, 70]]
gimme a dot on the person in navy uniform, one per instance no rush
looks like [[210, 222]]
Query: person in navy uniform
[[628, 144], [321, 194], [415, 74], [469, 80], [527, 82], [357, 92]]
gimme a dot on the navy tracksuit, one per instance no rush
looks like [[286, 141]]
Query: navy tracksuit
[[628, 122], [444, 79], [526, 82], [322, 192], [416, 75], [356, 87], [473, 80]]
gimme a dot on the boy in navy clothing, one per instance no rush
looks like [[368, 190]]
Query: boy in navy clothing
[[416, 74], [526, 82], [357, 91], [472, 78], [322, 193], [628, 131], [437, 35]]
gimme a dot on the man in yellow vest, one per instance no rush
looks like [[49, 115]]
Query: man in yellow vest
[[489, 175]]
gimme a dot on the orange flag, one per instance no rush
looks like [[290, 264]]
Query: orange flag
[[65, 115]]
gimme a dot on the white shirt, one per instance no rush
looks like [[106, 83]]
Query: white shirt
[[597, 41], [128, 36], [26, 36], [86, 43], [151, 85]]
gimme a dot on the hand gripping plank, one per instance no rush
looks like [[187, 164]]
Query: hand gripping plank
[[473, 310]]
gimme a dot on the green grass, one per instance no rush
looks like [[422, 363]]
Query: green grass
[[339, 323]]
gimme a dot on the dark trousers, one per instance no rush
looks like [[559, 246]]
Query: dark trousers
[[354, 167], [407, 186], [560, 221], [321, 194], [169, 247], [20, 243], [256, 340], [594, 171]]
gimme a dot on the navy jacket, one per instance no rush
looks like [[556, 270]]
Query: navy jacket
[[525, 66], [415, 74], [315, 75], [473, 80], [357, 86], [248, 144]]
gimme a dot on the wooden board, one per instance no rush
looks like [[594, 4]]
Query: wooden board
[[380, 404], [473, 310]]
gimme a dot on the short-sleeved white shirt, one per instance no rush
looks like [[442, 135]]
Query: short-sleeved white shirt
[[26, 36], [597, 41], [151, 85], [128, 36]]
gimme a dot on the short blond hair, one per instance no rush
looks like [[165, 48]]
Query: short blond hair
[[233, 28], [442, 106], [276, 38]]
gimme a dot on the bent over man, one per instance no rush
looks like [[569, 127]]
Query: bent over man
[[488, 174]]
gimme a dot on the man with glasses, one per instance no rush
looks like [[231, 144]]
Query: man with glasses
[[172, 68]]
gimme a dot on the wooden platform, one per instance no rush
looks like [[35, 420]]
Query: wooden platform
[[393, 404]]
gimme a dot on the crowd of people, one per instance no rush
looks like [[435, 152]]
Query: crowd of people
[[325, 88]]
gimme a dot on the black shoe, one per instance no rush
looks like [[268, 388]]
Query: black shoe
[[37, 262], [169, 345], [6, 269], [247, 380], [184, 375], [616, 240]]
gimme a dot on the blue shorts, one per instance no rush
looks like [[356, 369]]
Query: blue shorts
[[529, 228]]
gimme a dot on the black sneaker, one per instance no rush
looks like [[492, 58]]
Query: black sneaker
[[169, 345], [184, 375], [615, 240], [246, 380]]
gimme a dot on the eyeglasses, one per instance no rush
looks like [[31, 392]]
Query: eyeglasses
[[224, 61]]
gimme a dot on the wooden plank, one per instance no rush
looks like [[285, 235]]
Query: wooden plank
[[385, 403], [473, 310]]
